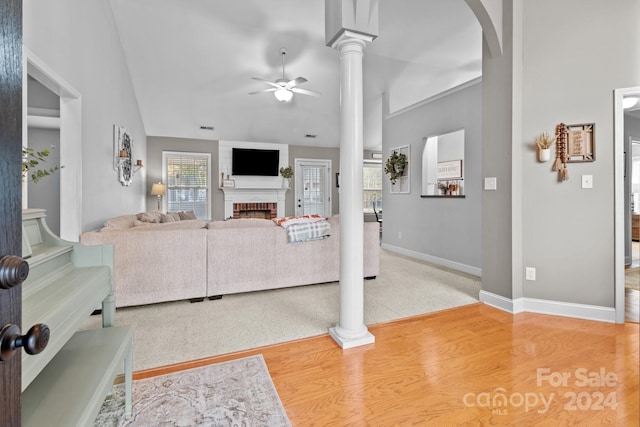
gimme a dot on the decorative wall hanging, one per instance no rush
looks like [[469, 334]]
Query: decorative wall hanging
[[397, 167], [122, 155], [581, 143], [574, 143], [543, 144], [560, 165]]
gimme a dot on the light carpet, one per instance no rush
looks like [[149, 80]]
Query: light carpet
[[632, 278], [235, 393], [180, 331]]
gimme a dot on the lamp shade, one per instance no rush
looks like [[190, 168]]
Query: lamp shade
[[158, 189]]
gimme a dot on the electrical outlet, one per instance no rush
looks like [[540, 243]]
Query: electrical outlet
[[587, 181], [530, 273]]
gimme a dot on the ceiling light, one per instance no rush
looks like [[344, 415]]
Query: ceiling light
[[629, 102], [283, 95]]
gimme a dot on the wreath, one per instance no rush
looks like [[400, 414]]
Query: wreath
[[394, 166]]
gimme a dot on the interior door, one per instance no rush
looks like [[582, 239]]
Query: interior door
[[313, 187], [10, 193]]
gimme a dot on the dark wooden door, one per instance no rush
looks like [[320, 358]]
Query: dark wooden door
[[10, 193]]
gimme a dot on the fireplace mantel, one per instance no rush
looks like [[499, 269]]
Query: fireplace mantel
[[253, 195]]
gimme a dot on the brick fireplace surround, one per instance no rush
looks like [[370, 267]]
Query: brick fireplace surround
[[252, 198], [255, 210]]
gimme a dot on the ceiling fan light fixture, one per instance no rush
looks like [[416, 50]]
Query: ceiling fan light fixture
[[283, 95]]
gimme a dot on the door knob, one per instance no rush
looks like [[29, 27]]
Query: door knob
[[33, 342], [13, 271]]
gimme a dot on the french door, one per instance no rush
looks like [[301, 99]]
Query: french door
[[313, 187]]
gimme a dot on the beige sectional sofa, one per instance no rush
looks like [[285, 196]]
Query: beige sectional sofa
[[190, 259]]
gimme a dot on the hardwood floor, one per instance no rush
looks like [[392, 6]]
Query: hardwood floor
[[473, 365]]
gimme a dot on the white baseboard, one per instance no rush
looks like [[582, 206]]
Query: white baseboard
[[500, 302], [556, 308], [475, 271]]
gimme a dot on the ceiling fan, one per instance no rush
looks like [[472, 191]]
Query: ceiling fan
[[284, 89]]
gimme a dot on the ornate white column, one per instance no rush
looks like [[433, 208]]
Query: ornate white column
[[351, 330]]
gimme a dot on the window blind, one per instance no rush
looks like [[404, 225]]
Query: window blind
[[188, 182], [314, 178]]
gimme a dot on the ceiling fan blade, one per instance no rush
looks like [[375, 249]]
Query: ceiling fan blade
[[276, 85], [271, 89], [296, 82], [305, 91]]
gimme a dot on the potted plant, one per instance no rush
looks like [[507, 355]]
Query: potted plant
[[395, 165], [444, 188], [544, 143], [286, 173]]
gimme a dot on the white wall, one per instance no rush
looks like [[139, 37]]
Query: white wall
[[78, 39]]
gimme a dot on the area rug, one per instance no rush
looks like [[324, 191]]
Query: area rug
[[234, 393]]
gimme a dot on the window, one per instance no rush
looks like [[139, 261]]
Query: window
[[188, 178], [372, 185]]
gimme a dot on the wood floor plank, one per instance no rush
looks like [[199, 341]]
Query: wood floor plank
[[456, 367]]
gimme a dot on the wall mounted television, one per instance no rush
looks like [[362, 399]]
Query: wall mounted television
[[252, 161]]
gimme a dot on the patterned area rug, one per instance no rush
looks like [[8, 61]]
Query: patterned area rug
[[234, 393]]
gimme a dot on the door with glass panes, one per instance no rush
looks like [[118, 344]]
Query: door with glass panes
[[313, 187]]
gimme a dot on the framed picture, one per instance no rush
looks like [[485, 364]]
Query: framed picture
[[581, 143], [450, 169]]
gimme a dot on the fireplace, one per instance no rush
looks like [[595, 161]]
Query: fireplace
[[266, 210], [270, 201]]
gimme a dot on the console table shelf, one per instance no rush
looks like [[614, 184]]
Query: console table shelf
[[82, 373], [67, 382]]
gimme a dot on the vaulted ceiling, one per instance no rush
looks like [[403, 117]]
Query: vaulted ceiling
[[191, 64]]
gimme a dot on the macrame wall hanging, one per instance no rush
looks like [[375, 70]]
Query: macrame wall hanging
[[560, 165]]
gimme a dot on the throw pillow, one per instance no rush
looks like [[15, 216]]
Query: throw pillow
[[175, 215], [187, 215], [124, 221], [167, 218], [149, 217]]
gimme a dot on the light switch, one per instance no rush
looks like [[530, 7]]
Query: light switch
[[587, 181], [490, 183]]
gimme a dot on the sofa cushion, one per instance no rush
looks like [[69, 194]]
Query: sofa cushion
[[175, 225], [242, 223]]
